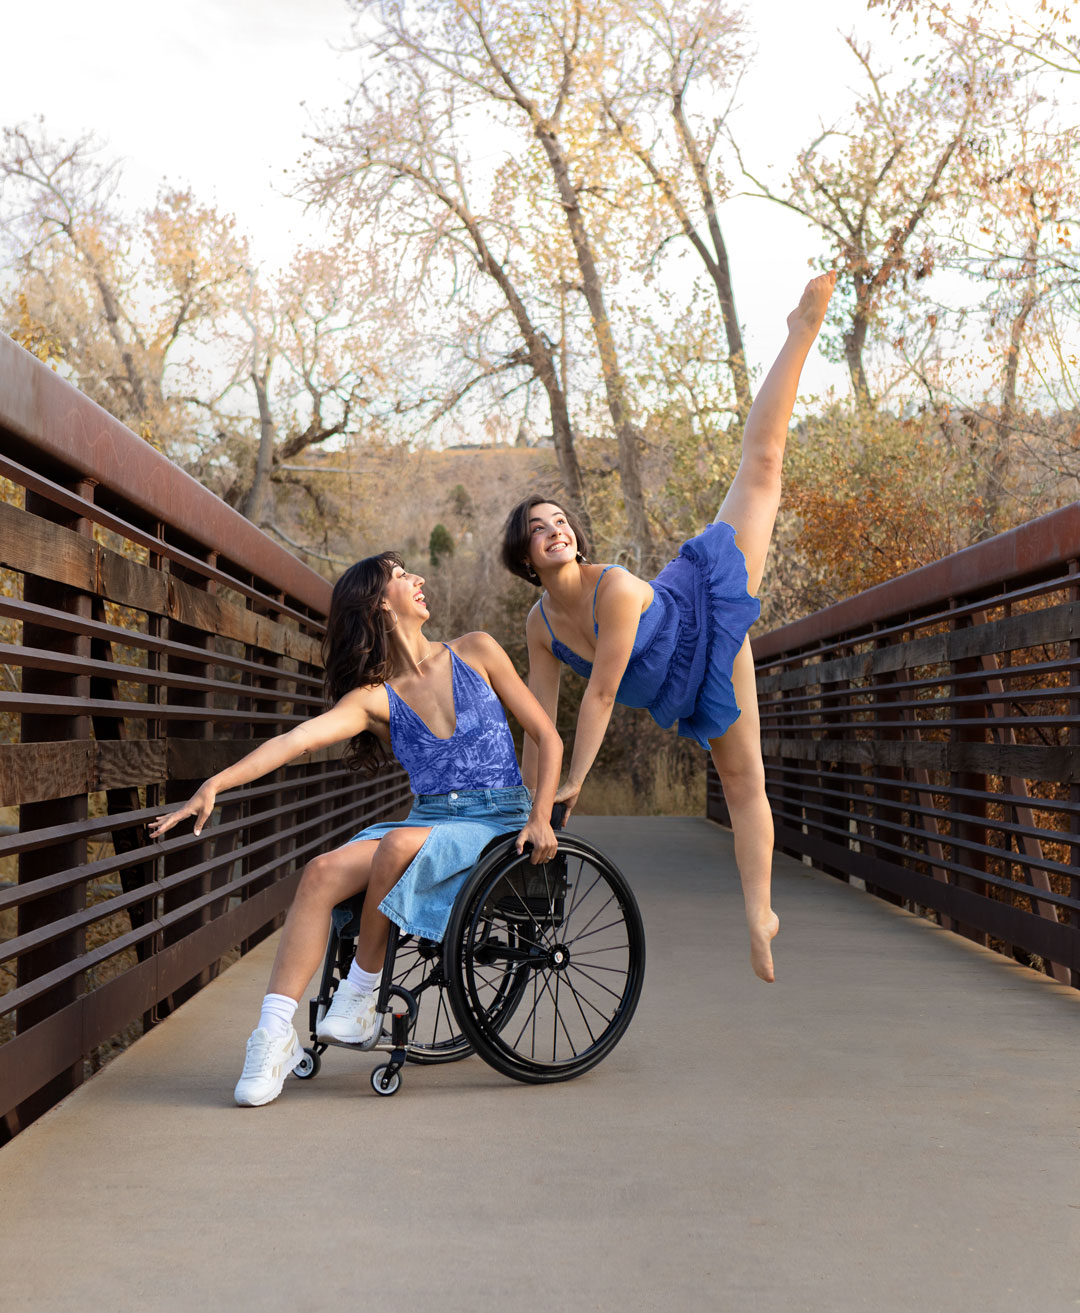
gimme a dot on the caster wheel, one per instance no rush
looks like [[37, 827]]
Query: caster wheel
[[391, 1085], [308, 1066]]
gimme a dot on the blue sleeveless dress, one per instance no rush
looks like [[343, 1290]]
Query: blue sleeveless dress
[[687, 638], [467, 788]]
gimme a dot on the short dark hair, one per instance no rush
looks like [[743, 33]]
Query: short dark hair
[[515, 542]]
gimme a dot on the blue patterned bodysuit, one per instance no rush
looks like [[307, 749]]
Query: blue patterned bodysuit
[[467, 789]]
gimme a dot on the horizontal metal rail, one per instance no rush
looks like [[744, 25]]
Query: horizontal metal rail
[[151, 637], [923, 739]]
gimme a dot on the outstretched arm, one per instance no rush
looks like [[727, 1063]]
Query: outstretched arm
[[348, 718]]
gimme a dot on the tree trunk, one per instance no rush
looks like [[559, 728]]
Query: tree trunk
[[253, 503], [998, 471], [854, 344], [718, 266], [541, 357], [614, 383]]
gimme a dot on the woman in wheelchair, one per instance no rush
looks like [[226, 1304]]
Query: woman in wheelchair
[[438, 707]]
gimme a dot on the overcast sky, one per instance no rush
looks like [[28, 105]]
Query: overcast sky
[[217, 94]]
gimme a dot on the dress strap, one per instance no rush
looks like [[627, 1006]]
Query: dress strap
[[547, 622], [595, 626]]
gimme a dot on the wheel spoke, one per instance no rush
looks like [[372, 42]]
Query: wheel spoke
[[604, 1016], [584, 1018], [560, 1022], [599, 912], [588, 934], [569, 912], [580, 899], [598, 983], [593, 952]]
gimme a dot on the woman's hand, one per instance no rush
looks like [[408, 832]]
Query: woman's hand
[[569, 795], [200, 806], [539, 833]]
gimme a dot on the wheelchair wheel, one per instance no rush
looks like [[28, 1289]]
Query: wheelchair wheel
[[436, 1037], [545, 963]]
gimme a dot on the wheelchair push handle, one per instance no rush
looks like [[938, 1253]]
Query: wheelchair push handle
[[558, 816]]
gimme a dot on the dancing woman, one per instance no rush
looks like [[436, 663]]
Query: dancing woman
[[676, 646], [439, 708]]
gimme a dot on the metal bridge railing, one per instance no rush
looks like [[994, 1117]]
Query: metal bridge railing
[[149, 636], [923, 738]]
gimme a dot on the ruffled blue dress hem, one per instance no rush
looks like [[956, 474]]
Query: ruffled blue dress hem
[[710, 581]]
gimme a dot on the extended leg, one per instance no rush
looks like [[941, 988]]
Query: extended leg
[[754, 496], [737, 756]]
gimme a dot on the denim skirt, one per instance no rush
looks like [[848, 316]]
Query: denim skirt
[[462, 823]]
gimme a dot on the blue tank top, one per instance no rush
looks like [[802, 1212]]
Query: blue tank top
[[656, 630], [687, 638], [478, 755]]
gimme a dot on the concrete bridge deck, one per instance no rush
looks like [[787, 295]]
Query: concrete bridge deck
[[892, 1126]]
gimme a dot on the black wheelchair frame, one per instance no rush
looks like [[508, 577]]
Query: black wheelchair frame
[[539, 972]]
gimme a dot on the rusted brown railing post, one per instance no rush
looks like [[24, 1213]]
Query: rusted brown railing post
[[39, 915]]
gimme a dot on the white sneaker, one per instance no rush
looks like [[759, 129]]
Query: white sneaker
[[269, 1060], [350, 1018]]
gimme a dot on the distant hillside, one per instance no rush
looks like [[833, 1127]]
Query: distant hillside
[[393, 498]]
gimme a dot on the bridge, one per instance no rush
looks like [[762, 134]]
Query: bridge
[[891, 1124]]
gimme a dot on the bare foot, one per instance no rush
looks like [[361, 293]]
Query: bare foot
[[761, 937], [810, 311]]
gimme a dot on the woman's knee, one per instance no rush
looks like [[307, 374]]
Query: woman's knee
[[322, 878], [742, 776], [393, 855]]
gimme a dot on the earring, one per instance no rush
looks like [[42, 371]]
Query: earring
[[581, 559], [395, 624]]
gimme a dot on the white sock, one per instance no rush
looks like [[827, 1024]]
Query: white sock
[[364, 982], [277, 1015]]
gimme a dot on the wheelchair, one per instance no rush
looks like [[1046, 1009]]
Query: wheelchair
[[539, 972]]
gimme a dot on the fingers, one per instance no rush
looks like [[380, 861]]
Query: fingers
[[544, 848], [202, 811], [162, 824]]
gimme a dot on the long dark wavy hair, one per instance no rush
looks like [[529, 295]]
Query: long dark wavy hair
[[356, 649]]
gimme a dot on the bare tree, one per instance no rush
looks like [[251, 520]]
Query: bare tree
[[395, 164], [874, 185], [163, 319], [661, 58], [527, 63], [117, 297]]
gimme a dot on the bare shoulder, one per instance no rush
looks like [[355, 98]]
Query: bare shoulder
[[621, 587], [478, 648], [368, 700], [534, 621]]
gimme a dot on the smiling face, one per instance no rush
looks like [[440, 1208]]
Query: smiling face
[[551, 539], [404, 594]]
